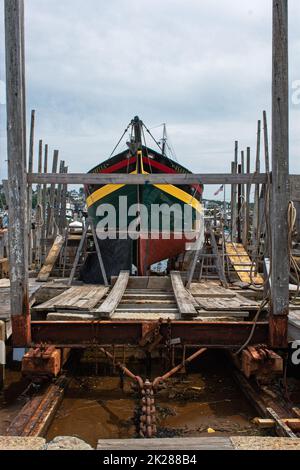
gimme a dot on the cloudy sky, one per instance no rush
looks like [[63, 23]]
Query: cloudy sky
[[201, 66]]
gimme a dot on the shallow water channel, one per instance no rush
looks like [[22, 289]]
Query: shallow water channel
[[204, 402]]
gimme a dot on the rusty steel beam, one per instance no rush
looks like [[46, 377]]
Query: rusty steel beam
[[83, 334]]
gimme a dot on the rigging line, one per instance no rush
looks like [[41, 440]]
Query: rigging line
[[125, 132], [172, 152], [158, 145], [149, 161]]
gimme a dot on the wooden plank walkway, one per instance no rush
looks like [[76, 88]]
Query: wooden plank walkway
[[207, 301], [241, 263], [185, 301], [114, 297], [51, 259], [82, 298]]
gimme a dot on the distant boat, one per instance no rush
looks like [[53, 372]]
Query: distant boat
[[123, 252]]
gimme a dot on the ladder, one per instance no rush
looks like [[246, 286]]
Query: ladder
[[81, 253], [208, 260]]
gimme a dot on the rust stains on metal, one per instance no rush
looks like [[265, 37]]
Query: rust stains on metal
[[81, 334], [21, 330], [278, 330]]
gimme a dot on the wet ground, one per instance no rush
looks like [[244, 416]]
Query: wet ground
[[206, 402]]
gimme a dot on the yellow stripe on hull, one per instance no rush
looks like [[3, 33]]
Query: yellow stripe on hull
[[167, 188], [105, 191], [180, 194]]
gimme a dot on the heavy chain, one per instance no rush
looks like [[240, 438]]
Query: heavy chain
[[148, 427]]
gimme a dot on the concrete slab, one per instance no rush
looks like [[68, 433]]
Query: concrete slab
[[22, 443], [265, 443]]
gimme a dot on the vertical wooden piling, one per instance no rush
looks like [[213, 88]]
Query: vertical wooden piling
[[39, 213], [44, 205], [280, 177], [266, 143], [255, 222], [57, 210], [244, 207], [30, 170], [17, 184], [50, 219], [234, 170], [239, 225], [62, 219]]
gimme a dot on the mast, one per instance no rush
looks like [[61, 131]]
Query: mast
[[164, 141], [137, 126]]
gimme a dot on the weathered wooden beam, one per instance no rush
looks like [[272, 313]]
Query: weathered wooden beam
[[64, 194], [185, 301], [30, 170], [38, 213], [266, 142], [17, 185], [255, 222], [44, 205], [57, 205], [248, 192], [122, 178], [50, 218], [280, 177], [233, 204], [113, 299]]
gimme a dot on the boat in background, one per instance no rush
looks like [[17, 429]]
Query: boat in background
[[153, 244]]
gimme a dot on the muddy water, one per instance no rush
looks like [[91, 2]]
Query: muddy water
[[204, 402]]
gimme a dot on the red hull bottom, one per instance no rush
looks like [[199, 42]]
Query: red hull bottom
[[152, 251]]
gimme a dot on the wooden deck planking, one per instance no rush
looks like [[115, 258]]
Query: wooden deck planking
[[236, 303], [210, 289], [75, 298], [114, 297], [185, 301]]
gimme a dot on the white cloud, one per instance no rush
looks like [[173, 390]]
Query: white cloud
[[202, 66]]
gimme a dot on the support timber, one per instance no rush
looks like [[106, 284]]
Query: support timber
[[17, 185], [280, 177]]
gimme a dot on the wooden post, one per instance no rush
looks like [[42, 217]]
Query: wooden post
[[266, 143], [39, 212], [248, 192], [17, 184], [244, 208], [239, 225], [280, 178], [44, 205], [266, 192], [57, 210], [255, 222], [234, 169], [30, 170], [63, 211], [50, 219]]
